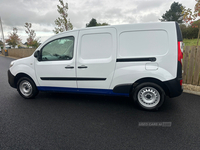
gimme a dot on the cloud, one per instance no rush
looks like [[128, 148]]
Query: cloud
[[150, 5], [42, 13], [93, 4], [17, 13], [150, 18], [113, 12]]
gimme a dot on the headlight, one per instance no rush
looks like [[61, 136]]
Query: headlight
[[11, 64]]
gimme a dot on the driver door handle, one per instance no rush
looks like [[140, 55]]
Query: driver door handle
[[69, 67]]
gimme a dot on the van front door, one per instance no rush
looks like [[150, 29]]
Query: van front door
[[96, 58], [55, 69]]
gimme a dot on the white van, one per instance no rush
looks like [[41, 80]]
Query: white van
[[142, 61]]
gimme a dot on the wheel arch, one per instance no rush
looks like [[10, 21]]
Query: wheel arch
[[148, 79], [20, 75]]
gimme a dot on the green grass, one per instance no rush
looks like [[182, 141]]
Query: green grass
[[190, 42]]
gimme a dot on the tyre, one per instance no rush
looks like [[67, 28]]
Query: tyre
[[27, 88], [149, 95]]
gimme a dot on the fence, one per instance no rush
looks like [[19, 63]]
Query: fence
[[191, 65], [19, 53]]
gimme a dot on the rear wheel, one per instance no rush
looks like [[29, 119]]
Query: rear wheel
[[149, 95], [26, 88]]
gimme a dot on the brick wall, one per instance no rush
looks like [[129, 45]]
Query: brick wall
[[20, 53]]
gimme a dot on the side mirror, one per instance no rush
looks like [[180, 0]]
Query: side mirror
[[36, 54]]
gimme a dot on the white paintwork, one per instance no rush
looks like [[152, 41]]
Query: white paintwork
[[151, 66], [26, 66], [138, 43], [132, 71], [98, 48], [102, 59], [57, 68]]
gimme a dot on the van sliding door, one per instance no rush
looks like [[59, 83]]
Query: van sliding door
[[96, 58]]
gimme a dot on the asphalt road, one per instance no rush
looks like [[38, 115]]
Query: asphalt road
[[70, 121]]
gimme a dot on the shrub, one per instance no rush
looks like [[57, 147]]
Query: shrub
[[189, 32]]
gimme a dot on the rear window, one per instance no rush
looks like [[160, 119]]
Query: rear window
[[143, 43]]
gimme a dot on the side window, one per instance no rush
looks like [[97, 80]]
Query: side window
[[59, 49]]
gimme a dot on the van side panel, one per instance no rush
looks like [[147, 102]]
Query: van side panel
[[96, 58], [144, 42]]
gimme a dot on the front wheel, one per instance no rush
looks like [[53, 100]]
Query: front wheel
[[26, 88], [149, 96]]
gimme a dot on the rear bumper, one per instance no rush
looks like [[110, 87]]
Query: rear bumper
[[11, 79], [174, 87]]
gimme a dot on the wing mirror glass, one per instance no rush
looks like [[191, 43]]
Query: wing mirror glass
[[36, 54]]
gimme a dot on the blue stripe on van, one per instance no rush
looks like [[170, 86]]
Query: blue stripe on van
[[80, 90]]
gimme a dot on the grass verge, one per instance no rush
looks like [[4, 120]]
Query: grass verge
[[190, 42]]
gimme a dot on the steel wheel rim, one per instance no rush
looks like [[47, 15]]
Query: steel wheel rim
[[25, 88], [149, 97]]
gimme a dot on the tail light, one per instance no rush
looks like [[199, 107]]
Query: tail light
[[180, 55], [180, 51], [181, 82]]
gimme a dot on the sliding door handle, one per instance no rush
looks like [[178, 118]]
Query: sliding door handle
[[82, 67], [69, 67]]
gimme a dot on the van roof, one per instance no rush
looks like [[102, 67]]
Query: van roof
[[113, 26], [116, 26]]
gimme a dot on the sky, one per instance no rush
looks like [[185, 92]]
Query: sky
[[43, 13]]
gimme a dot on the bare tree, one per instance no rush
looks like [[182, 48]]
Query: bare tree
[[62, 22]]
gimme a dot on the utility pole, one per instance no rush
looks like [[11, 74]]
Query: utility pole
[[2, 33]]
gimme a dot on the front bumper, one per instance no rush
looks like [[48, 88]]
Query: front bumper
[[11, 79]]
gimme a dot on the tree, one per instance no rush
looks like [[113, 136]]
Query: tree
[[188, 31], [94, 23], [31, 40], [1, 44], [174, 13], [62, 23], [102, 24], [190, 17], [14, 38]]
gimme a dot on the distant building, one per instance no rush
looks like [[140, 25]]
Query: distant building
[[21, 45]]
